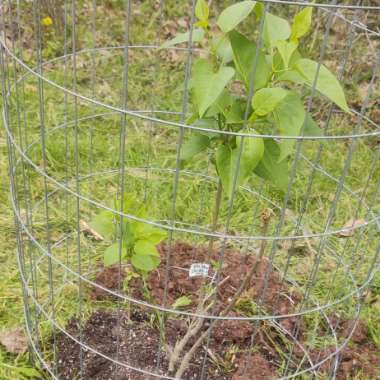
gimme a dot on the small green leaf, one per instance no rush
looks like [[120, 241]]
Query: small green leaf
[[301, 23], [244, 54], [196, 144], [286, 50], [208, 85], [267, 99], [311, 127], [180, 38], [289, 116], [327, 84], [103, 224], [275, 28], [111, 255], [181, 302], [270, 168], [234, 15], [226, 161], [145, 247], [202, 11], [145, 263]]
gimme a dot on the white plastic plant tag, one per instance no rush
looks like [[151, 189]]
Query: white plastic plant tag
[[199, 270]]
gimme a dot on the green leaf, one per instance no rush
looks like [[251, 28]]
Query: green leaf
[[145, 247], [202, 11], [275, 28], [301, 23], [291, 76], [267, 99], [286, 50], [111, 255], [28, 372], [196, 144], [181, 302], [180, 38], [145, 263], [289, 116], [226, 161], [236, 112], [147, 232], [223, 103], [327, 84], [270, 168], [244, 53], [208, 85], [234, 15], [311, 127], [103, 224], [222, 47]]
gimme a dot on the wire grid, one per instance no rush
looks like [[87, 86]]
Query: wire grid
[[70, 95]]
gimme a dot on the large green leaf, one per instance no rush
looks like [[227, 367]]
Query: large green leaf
[[227, 158], [327, 84], [234, 15], [267, 99], [103, 224], [196, 144], [145, 263], [289, 116], [301, 23], [111, 255], [270, 168], [244, 53], [208, 85], [180, 38], [275, 28]]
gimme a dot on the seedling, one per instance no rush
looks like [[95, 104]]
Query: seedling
[[269, 75], [136, 241]]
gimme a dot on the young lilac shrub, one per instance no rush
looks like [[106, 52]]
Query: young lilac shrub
[[270, 76], [273, 70]]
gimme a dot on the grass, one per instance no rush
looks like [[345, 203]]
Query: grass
[[156, 145]]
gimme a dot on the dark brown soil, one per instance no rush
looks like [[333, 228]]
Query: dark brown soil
[[139, 342]]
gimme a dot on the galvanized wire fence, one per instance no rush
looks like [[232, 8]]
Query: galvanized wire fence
[[94, 113]]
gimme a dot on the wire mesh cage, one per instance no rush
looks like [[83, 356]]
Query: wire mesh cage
[[265, 279]]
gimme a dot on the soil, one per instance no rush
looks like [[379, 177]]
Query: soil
[[139, 341], [276, 297]]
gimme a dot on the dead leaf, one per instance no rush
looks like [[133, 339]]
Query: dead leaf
[[350, 227], [86, 229], [14, 340]]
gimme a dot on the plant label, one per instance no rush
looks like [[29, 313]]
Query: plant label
[[199, 270]]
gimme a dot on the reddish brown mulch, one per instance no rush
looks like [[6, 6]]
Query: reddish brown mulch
[[277, 298]]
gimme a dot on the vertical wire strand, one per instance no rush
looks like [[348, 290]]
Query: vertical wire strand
[[176, 177], [77, 182], [121, 171], [41, 101]]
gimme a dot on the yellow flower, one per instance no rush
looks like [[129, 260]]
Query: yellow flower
[[47, 21]]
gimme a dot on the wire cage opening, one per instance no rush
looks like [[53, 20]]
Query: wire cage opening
[[138, 262]]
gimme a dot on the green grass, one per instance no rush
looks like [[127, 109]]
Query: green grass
[[156, 145]]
